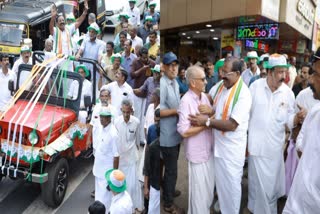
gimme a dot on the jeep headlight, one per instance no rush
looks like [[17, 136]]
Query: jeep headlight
[[33, 138]]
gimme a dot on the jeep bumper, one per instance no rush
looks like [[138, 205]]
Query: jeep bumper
[[22, 174]]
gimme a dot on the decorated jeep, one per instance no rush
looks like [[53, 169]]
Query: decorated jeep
[[40, 129]]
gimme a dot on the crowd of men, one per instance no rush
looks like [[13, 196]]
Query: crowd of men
[[259, 110], [126, 106]]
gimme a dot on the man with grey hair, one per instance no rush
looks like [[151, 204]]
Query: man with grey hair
[[136, 40], [231, 104], [199, 143], [129, 139]]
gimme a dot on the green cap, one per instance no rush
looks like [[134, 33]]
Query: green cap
[[84, 68], [218, 65], [116, 180]]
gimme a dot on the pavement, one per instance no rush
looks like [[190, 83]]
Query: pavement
[[182, 185]]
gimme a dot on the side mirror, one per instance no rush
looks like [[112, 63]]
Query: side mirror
[[11, 86], [87, 101]]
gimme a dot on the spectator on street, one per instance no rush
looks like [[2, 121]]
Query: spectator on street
[[5, 76], [252, 59], [170, 138], [129, 140], [181, 79], [127, 60], [143, 31], [136, 40], [134, 13], [151, 12]]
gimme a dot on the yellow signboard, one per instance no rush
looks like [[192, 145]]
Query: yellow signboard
[[9, 49]]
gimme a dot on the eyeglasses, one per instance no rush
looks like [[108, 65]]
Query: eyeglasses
[[202, 79], [225, 73]]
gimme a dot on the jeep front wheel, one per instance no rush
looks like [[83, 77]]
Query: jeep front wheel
[[54, 189]]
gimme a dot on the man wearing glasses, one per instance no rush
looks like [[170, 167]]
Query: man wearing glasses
[[231, 108], [198, 143]]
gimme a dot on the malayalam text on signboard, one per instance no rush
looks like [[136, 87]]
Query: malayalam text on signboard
[[258, 31]]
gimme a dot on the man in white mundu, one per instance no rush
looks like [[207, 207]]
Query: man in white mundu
[[272, 110], [232, 103], [304, 195], [129, 135]]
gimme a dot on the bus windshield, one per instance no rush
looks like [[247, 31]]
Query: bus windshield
[[11, 34]]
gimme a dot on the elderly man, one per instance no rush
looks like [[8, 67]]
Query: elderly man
[[5, 76], [232, 104], [272, 110], [198, 143], [25, 58], [106, 156], [170, 139], [304, 196], [111, 70], [253, 70], [61, 34], [119, 90], [136, 40], [128, 127]]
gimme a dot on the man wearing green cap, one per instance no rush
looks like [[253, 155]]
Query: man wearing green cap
[[143, 31], [272, 110], [151, 12], [25, 58], [123, 18], [121, 200], [85, 91], [253, 70], [134, 13], [106, 156]]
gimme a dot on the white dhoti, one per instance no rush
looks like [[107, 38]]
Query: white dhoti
[[201, 186], [266, 177], [154, 201], [139, 104], [134, 187], [101, 193], [228, 184]]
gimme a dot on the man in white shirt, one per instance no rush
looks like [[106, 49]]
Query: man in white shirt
[[253, 70], [129, 139], [5, 76], [134, 13], [272, 110], [106, 156], [85, 91], [121, 200], [304, 196], [119, 90], [61, 34], [232, 104], [136, 40], [25, 58]]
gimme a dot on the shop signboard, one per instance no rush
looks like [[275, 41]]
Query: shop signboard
[[227, 41], [257, 45], [258, 31]]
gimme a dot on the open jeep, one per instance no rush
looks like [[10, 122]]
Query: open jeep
[[40, 130]]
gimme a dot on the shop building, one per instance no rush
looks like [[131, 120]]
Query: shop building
[[198, 29]]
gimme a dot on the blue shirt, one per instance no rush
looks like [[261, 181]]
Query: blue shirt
[[155, 17], [183, 87], [126, 64], [211, 81], [152, 133], [169, 99]]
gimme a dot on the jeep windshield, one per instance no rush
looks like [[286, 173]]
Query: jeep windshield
[[62, 88], [11, 34]]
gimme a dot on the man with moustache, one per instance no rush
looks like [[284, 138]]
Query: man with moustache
[[304, 196], [199, 145], [272, 110], [5, 76], [61, 34], [231, 104], [253, 70]]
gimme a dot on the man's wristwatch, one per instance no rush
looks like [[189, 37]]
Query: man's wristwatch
[[208, 122]]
